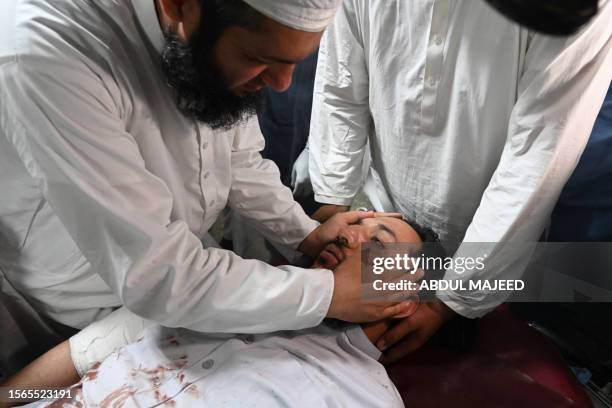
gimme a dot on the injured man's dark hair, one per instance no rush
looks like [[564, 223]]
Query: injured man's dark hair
[[459, 333]]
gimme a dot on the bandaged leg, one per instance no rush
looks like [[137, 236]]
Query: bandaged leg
[[102, 338]]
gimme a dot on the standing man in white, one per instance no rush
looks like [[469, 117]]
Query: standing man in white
[[474, 125]]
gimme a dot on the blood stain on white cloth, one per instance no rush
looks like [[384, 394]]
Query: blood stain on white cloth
[[92, 374], [117, 398], [173, 340]]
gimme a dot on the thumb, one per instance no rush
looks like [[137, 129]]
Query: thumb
[[407, 308], [352, 217], [394, 310]]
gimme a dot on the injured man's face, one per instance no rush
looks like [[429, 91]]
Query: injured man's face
[[380, 230], [344, 254]]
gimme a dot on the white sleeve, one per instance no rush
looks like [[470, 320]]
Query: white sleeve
[[560, 93], [341, 118], [69, 133], [258, 194]]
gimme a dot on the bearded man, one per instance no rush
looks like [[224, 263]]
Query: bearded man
[[125, 128]]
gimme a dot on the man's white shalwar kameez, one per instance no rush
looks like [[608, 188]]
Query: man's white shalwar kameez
[[108, 188], [474, 123]]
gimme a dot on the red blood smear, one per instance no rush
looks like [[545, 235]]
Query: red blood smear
[[177, 365], [92, 374], [153, 371], [117, 398], [173, 340]]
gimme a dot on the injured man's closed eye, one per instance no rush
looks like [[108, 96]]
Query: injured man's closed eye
[[333, 364]]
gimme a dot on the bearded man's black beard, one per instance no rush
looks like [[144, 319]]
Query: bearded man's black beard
[[199, 87]]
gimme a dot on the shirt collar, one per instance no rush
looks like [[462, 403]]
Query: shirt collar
[[147, 17]]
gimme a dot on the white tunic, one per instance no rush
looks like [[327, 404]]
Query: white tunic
[[325, 366], [474, 124], [106, 189]]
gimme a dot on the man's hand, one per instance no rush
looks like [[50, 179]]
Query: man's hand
[[329, 231], [349, 303], [325, 212], [412, 332]]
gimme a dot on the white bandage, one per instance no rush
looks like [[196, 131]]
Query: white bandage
[[102, 338]]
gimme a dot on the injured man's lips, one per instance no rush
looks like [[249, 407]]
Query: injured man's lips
[[331, 256]]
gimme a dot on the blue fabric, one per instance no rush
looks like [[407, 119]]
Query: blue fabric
[[584, 210], [285, 122]]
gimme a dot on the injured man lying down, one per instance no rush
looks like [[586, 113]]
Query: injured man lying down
[[333, 364]]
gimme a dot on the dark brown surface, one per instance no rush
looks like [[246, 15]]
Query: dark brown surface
[[510, 365]]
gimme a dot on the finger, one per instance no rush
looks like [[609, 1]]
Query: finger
[[402, 349], [352, 217], [404, 292], [418, 275], [397, 309], [395, 334], [409, 308], [388, 214], [390, 311]]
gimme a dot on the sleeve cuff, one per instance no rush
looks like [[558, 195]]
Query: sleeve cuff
[[77, 356], [325, 199], [102, 338], [326, 298]]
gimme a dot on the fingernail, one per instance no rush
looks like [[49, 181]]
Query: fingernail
[[381, 345]]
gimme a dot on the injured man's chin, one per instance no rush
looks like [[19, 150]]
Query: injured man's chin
[[331, 363]]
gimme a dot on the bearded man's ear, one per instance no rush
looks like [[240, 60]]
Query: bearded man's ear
[[181, 17]]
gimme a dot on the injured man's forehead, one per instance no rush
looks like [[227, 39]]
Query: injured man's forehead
[[380, 230], [390, 229]]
